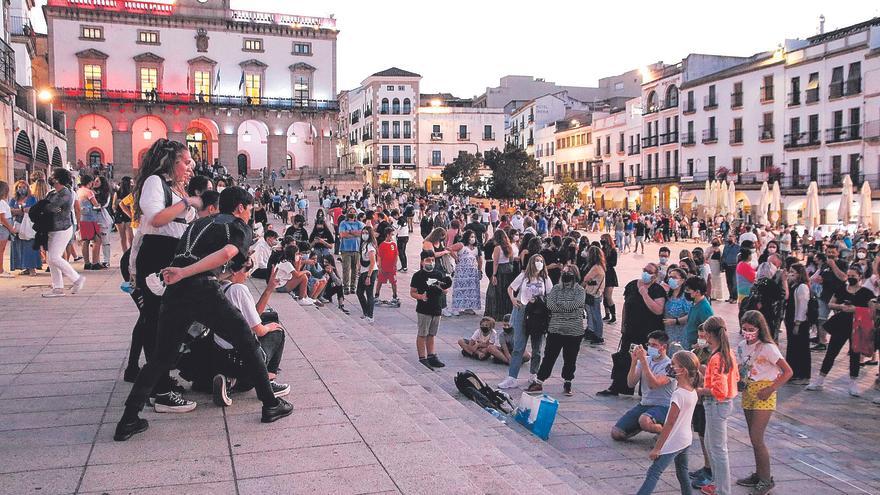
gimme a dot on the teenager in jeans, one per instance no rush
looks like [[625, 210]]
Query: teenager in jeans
[[368, 269], [349, 247], [193, 294], [676, 437], [60, 233], [718, 392]]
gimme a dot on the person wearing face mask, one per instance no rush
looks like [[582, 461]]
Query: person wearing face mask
[[700, 310], [771, 249], [847, 303], [649, 367], [262, 251], [321, 239], [729, 261], [676, 307], [530, 284], [427, 287], [766, 295], [368, 261], [594, 283], [566, 330], [350, 242], [22, 255], [702, 476], [663, 261], [483, 343], [763, 371], [466, 280], [643, 302]]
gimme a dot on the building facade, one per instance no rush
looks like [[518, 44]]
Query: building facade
[[254, 90], [393, 133]]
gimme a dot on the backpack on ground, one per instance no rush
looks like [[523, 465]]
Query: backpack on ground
[[471, 386]]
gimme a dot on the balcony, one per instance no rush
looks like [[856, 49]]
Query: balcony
[[463, 136], [237, 101], [368, 112], [710, 103], [653, 108], [872, 130], [436, 136], [736, 100], [531, 118], [669, 138], [366, 137], [794, 99], [365, 161], [20, 26], [634, 149], [7, 70], [802, 181], [710, 136], [488, 136], [353, 141], [767, 93], [688, 139], [621, 148], [765, 132], [648, 142], [736, 136], [843, 133], [801, 139], [670, 103], [530, 141], [689, 107], [355, 118], [812, 95]]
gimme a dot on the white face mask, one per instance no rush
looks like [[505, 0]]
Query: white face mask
[[365, 236], [539, 265]]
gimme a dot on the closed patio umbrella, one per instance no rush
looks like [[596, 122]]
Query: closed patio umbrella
[[723, 200], [865, 210], [775, 203], [760, 216], [811, 209], [844, 210], [731, 200]]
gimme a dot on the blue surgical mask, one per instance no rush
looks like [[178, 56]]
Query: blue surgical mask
[[663, 260], [646, 277], [673, 283], [653, 352]]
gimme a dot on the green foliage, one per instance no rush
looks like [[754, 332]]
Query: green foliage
[[568, 191], [462, 176], [515, 174]]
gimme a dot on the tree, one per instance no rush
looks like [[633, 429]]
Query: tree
[[462, 176], [568, 191], [515, 174]]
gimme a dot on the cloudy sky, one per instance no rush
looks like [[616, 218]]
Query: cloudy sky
[[463, 46]]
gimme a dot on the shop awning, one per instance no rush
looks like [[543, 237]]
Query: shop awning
[[401, 174]]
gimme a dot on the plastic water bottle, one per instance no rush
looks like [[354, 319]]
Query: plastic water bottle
[[126, 287], [498, 415]]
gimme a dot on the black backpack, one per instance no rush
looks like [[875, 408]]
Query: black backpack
[[537, 317], [40, 216], [475, 389], [813, 309]]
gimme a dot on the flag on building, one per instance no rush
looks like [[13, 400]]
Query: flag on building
[[241, 81], [217, 81]]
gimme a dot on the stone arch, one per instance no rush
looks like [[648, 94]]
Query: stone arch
[[652, 101], [145, 131], [301, 143], [56, 157], [672, 96], [93, 131], [202, 137], [23, 145], [253, 139], [42, 154]]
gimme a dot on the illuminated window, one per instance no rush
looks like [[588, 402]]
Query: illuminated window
[[149, 80], [253, 45], [202, 83], [252, 87], [92, 33], [93, 84], [148, 37]]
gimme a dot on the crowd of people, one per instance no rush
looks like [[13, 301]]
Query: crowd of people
[[192, 238]]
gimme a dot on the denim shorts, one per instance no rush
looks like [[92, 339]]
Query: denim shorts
[[5, 234], [629, 422]]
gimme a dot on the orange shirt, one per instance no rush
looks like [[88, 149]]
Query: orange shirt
[[722, 385]]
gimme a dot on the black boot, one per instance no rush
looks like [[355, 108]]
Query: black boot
[[613, 309], [607, 313]]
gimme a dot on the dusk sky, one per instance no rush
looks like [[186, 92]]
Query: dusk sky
[[464, 46]]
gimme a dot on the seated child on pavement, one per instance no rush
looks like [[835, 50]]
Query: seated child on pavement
[[503, 347]]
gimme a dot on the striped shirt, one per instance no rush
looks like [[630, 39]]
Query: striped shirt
[[566, 305]]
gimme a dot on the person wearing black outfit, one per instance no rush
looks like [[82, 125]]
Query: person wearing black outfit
[[428, 287], [297, 231], [643, 302], [610, 251], [193, 294], [832, 275]]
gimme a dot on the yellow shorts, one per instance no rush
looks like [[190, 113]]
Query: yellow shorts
[[750, 400]]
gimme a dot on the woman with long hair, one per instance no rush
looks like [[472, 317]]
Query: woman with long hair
[[594, 283], [797, 325], [503, 272], [162, 208], [718, 392], [120, 218], [23, 255], [105, 216], [609, 249], [677, 307], [466, 282], [534, 282], [367, 273], [88, 213], [764, 371]]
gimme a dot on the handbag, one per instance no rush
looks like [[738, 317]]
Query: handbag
[[863, 332], [448, 264], [26, 230]]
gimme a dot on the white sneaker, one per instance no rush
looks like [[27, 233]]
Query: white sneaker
[[369, 319], [854, 389], [817, 383], [509, 382], [78, 285], [307, 301], [54, 293], [876, 401]]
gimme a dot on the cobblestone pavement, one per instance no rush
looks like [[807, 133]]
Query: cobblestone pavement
[[368, 418]]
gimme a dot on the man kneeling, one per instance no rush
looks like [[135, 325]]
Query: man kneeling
[[231, 375], [650, 368]]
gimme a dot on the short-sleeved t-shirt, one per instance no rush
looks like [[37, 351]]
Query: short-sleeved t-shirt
[[298, 233], [420, 281], [349, 244], [193, 247], [6, 211], [489, 338], [365, 258], [757, 362], [241, 298], [640, 321], [830, 283], [681, 436], [388, 257], [659, 396]]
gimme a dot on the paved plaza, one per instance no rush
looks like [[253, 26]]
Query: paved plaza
[[368, 417]]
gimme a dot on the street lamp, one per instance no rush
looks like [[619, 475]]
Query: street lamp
[[148, 135], [45, 95], [94, 133], [246, 137]]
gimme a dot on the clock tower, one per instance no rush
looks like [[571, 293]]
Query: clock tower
[[202, 8]]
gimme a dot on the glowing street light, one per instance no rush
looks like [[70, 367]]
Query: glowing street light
[[45, 95]]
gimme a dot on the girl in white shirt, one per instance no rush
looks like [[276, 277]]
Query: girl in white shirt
[[532, 283], [676, 436]]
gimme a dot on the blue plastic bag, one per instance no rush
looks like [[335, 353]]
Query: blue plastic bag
[[537, 414]]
